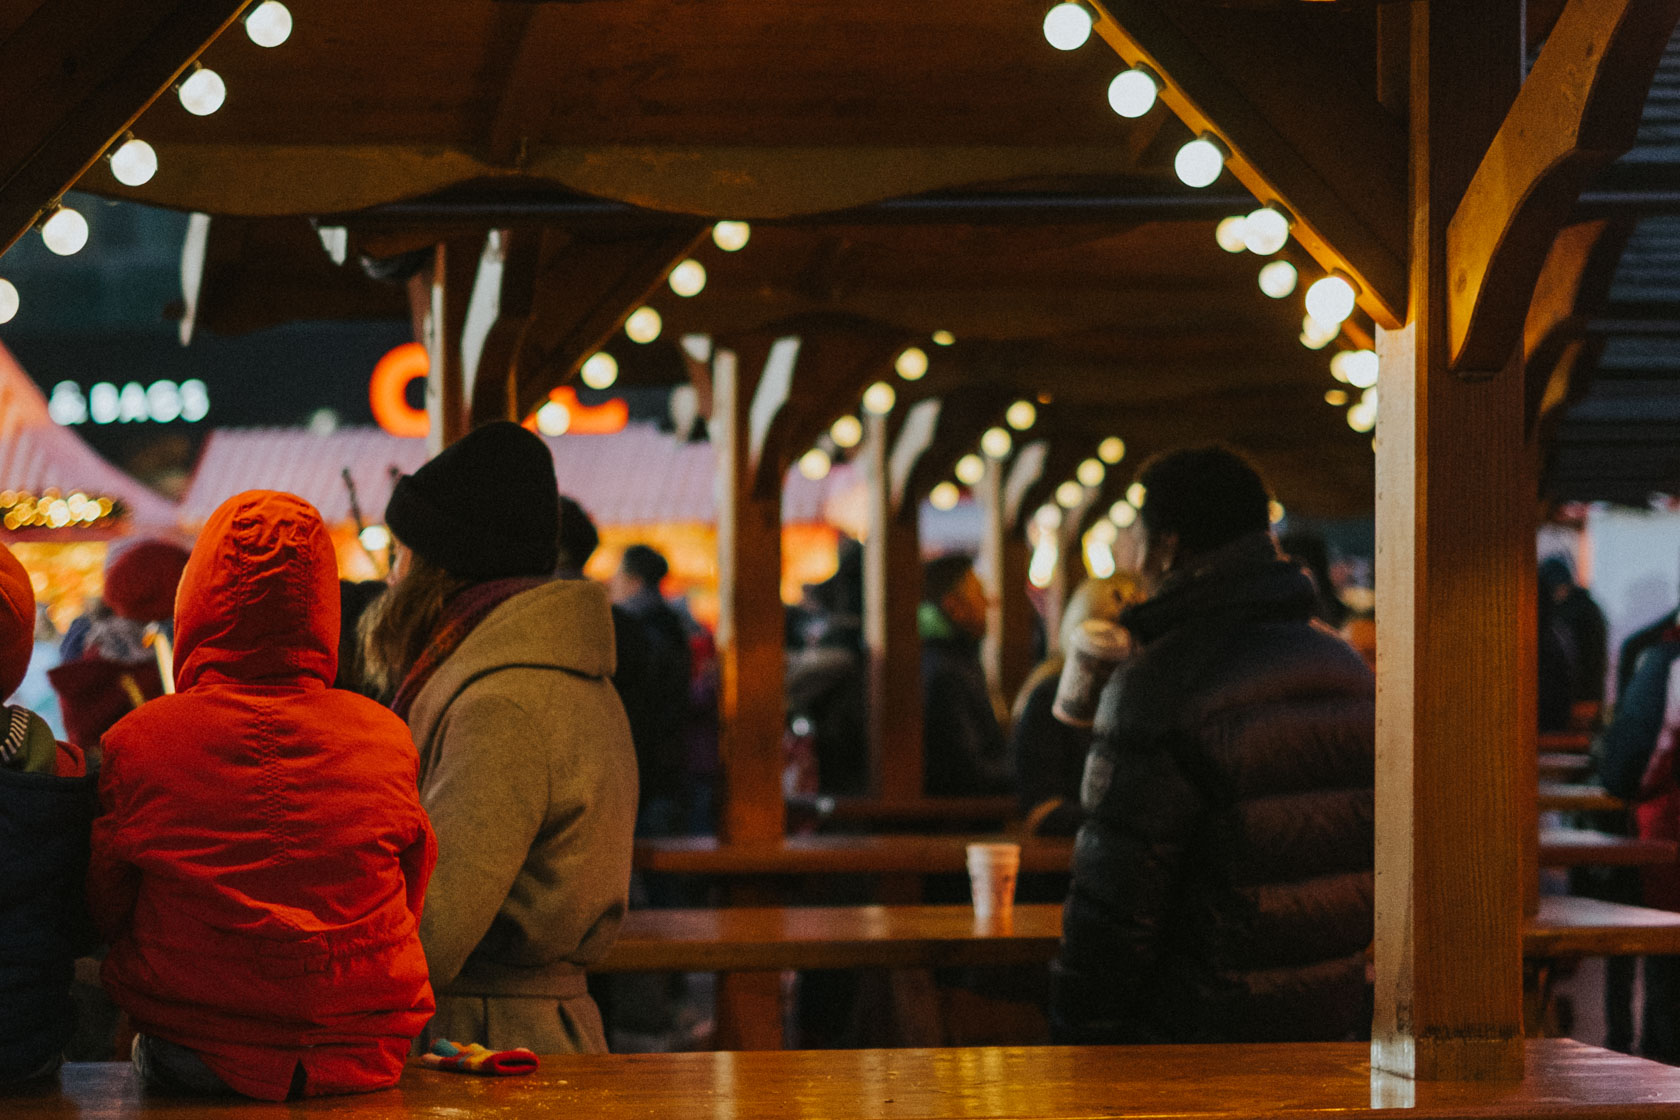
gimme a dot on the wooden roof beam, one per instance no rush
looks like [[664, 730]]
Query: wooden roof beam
[[1578, 109], [75, 76], [1319, 145]]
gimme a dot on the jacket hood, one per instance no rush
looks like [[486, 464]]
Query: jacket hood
[[258, 601], [1247, 578]]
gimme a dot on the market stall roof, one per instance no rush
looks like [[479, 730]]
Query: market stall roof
[[37, 455], [638, 476]]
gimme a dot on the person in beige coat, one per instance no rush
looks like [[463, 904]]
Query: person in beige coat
[[526, 764]]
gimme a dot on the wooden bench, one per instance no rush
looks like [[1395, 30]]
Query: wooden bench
[[1565, 1081], [838, 855], [1569, 797], [1579, 847]]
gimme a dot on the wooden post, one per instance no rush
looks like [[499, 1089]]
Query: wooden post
[[1454, 533], [892, 592], [750, 613], [440, 301], [1006, 652]]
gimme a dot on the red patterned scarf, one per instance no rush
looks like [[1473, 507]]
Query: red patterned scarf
[[461, 615]]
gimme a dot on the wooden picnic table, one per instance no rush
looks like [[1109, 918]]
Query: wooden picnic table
[[1579, 847], [1565, 1080], [1585, 927], [1556, 764], [882, 854], [1573, 797]]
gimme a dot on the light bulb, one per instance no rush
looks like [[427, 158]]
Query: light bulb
[[600, 370], [1199, 162], [1361, 418], [1041, 569], [1265, 231], [1135, 493], [1122, 513], [1316, 335], [1132, 93], [1362, 368], [688, 278], [996, 443], [879, 398], [1339, 365], [8, 300], [1335, 397], [643, 325], [912, 364], [1229, 233], [65, 232], [1090, 472], [945, 496], [202, 92], [814, 464], [846, 431], [1278, 278], [1048, 517], [1111, 450], [1067, 26], [1275, 510], [731, 236], [134, 163], [553, 418], [269, 24], [1021, 415], [943, 338], [970, 469], [1331, 299], [1069, 494], [375, 538], [1104, 532]]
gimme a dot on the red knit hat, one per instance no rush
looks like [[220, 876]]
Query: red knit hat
[[17, 622], [140, 580]]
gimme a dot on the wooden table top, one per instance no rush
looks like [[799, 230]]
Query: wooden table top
[[827, 855], [1579, 847], [1559, 765], [1585, 927], [1565, 1080], [1571, 796], [748, 938], [1569, 742], [933, 810]]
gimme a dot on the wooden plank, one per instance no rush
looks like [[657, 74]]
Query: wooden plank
[[1578, 110], [892, 593], [911, 810], [1566, 1081], [1562, 796], [771, 938], [448, 289], [1555, 766], [1454, 524], [836, 855], [1586, 927], [1579, 847], [77, 74], [1563, 742]]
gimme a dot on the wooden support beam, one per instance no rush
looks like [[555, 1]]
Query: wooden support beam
[[1006, 652], [1578, 110], [892, 593], [1455, 529], [439, 296], [1573, 283], [1299, 130], [498, 314], [750, 613], [74, 76]]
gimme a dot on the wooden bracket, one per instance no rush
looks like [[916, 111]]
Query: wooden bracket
[[75, 76], [1578, 109], [915, 437], [1298, 129], [1573, 281]]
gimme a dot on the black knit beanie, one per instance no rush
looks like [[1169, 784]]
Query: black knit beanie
[[483, 508]]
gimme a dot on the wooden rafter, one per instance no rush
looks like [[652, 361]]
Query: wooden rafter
[[77, 74], [1325, 149], [1578, 109]]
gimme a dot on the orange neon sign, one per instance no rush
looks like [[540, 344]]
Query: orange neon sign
[[581, 419], [388, 396]]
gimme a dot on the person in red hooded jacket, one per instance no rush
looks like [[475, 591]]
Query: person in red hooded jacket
[[262, 856]]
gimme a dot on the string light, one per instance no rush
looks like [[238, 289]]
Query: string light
[[133, 162], [1069, 494], [1362, 417], [731, 237], [912, 363], [375, 538], [995, 443], [600, 370], [64, 231], [945, 496], [1331, 298], [1111, 450], [1067, 26], [943, 338], [1278, 279], [1132, 93], [1091, 472], [1021, 415], [846, 431], [1316, 335], [1275, 510], [643, 325], [1104, 532], [269, 24], [1122, 513], [1200, 161], [8, 300], [202, 91], [1266, 230], [1135, 493], [1048, 518], [553, 418], [815, 464], [688, 278], [970, 469], [1229, 233], [1041, 569], [1099, 556], [1362, 368], [879, 398], [1335, 397], [51, 509]]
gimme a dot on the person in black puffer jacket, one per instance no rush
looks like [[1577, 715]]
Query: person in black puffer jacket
[[1222, 883]]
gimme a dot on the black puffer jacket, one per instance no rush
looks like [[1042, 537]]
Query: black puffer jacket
[[1222, 887]]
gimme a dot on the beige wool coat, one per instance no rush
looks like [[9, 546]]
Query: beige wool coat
[[529, 776]]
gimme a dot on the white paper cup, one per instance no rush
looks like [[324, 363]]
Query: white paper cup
[[1095, 650], [992, 869]]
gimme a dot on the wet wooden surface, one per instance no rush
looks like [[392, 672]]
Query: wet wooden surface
[[1576, 847], [838, 855], [1564, 1080]]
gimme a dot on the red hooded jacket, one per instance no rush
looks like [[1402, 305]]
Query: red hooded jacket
[[261, 857]]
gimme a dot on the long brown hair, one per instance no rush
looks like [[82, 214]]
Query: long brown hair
[[395, 630]]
